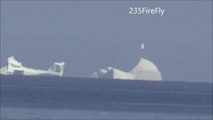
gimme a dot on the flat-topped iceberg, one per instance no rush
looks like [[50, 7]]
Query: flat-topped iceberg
[[15, 67]]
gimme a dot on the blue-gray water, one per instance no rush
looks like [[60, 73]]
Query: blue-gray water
[[82, 98]]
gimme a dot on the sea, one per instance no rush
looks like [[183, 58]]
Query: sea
[[66, 98]]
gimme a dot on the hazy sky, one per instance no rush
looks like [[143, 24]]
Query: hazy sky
[[96, 34]]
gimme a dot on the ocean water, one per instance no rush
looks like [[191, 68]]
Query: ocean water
[[25, 97]]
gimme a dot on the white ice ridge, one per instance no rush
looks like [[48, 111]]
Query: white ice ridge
[[15, 67]]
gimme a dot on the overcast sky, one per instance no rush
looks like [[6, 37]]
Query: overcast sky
[[93, 35]]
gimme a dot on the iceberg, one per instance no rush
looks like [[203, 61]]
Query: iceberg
[[144, 70], [15, 67]]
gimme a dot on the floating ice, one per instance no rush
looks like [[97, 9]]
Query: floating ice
[[15, 67], [144, 70]]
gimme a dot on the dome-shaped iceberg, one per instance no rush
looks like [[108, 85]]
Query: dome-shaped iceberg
[[146, 70]]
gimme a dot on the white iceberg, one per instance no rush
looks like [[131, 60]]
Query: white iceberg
[[15, 67], [144, 70]]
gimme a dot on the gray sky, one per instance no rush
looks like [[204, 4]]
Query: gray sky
[[92, 35]]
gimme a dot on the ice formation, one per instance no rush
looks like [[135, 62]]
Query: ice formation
[[144, 70], [15, 67]]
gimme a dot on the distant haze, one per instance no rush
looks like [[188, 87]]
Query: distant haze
[[91, 35]]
